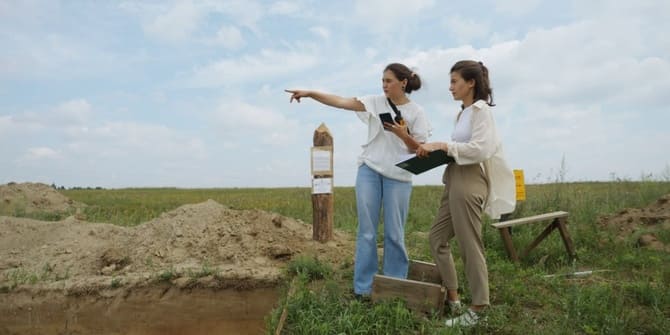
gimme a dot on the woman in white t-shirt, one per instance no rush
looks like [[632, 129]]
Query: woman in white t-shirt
[[478, 182], [379, 183]]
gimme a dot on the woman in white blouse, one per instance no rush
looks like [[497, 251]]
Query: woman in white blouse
[[478, 182], [379, 183]]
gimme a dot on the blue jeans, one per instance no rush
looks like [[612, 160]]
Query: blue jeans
[[374, 191]]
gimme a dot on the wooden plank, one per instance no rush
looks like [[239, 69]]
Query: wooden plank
[[530, 219], [565, 235], [507, 241], [419, 296], [547, 230], [423, 271]]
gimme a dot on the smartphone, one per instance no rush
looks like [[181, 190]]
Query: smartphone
[[386, 117]]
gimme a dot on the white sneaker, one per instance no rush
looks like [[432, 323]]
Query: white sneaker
[[467, 319]]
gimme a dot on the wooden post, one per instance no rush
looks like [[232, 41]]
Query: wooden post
[[509, 245], [567, 241], [322, 185]]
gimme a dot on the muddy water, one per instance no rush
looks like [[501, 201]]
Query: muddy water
[[146, 311]]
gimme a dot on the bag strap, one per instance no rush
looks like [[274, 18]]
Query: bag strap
[[398, 116]]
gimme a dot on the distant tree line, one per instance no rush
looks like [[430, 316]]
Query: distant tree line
[[56, 187]]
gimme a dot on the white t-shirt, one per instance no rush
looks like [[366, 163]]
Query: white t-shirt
[[463, 128], [383, 148]]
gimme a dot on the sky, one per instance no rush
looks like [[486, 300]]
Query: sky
[[191, 94]]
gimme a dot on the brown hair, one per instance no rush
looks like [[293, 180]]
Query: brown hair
[[469, 70], [402, 72]]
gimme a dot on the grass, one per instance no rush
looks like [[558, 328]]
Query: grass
[[47, 273], [309, 267], [167, 275], [631, 298]]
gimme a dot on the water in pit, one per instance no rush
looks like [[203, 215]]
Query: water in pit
[[145, 311]]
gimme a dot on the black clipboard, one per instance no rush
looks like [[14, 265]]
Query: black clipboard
[[417, 165]]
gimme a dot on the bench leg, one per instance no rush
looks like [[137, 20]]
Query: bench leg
[[565, 235], [540, 237], [509, 246]]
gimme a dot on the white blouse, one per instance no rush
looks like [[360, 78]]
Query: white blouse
[[383, 148], [482, 145]]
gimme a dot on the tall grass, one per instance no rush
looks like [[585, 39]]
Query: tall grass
[[632, 297]]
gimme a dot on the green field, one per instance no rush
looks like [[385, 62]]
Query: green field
[[633, 297]]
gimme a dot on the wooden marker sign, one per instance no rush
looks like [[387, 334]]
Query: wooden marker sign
[[322, 185]]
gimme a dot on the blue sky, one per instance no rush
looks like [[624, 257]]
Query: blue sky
[[190, 93]]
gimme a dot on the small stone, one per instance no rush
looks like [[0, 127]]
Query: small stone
[[108, 270], [277, 220], [646, 240]]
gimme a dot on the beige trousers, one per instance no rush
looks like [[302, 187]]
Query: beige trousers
[[460, 215]]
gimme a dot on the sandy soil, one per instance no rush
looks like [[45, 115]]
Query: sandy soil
[[199, 269], [33, 197], [205, 245], [641, 224]]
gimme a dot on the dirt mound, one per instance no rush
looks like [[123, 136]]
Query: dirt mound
[[641, 224], [204, 245], [33, 197]]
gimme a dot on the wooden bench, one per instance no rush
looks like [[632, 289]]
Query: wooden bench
[[558, 220]]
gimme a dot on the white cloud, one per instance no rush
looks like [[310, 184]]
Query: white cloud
[[385, 15], [371, 52], [38, 154], [320, 31], [267, 64], [179, 19], [465, 30], [243, 121], [135, 140], [563, 65], [175, 23], [515, 7], [578, 64], [73, 112], [284, 8], [60, 56], [229, 37], [70, 113], [5, 123], [115, 154], [246, 13], [590, 87]]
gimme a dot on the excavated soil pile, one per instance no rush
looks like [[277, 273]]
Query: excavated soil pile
[[641, 224], [33, 197], [209, 242], [197, 269]]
